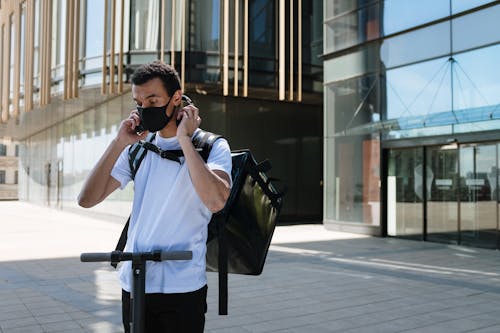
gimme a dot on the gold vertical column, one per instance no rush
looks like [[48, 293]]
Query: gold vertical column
[[245, 51], [120, 55], [76, 58], [281, 51], [17, 51], [183, 43], [162, 31], [29, 50], [236, 45], [42, 46], [112, 48], [5, 70], [225, 50], [172, 37], [68, 48], [290, 89], [299, 51], [48, 64], [105, 49]]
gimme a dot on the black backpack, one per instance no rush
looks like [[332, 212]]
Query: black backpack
[[240, 234]]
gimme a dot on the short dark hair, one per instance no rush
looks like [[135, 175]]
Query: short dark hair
[[157, 69]]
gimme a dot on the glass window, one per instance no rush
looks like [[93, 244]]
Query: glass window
[[475, 29], [11, 62], [404, 14], [206, 25], [58, 43], [458, 6], [36, 51], [415, 92], [354, 64], [204, 63], [476, 84], [337, 7], [22, 51], [262, 43], [3, 150], [354, 102], [352, 28], [353, 194], [405, 192], [2, 36], [93, 41], [2, 176], [312, 46], [430, 42], [145, 22]]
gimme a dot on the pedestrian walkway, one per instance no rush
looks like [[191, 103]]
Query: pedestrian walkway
[[314, 281]]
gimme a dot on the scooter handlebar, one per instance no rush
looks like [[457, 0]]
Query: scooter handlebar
[[117, 256], [95, 257]]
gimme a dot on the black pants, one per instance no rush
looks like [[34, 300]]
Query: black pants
[[183, 312]]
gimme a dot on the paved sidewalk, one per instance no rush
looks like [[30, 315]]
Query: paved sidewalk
[[314, 281]]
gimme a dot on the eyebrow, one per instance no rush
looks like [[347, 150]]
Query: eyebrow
[[152, 95]]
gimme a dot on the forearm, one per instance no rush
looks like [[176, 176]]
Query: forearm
[[212, 188], [99, 183]]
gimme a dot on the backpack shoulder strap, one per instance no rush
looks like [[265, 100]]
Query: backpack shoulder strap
[[137, 152], [203, 141]]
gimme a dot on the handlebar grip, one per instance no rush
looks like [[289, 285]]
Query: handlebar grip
[[176, 255], [95, 257]]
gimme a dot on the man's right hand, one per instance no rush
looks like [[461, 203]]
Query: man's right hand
[[127, 134]]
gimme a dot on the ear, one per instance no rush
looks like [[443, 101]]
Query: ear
[[177, 98]]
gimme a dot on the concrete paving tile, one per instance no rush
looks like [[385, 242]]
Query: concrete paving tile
[[490, 329], [18, 322], [62, 326], [24, 329]]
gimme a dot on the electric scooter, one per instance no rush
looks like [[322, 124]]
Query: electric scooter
[[137, 296]]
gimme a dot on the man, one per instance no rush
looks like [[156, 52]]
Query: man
[[173, 202]]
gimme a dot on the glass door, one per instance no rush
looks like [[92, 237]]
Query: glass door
[[478, 188], [405, 193], [442, 203]]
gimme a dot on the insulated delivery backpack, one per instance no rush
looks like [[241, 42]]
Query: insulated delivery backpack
[[240, 234]]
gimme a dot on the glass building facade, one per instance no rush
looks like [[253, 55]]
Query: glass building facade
[[253, 67], [412, 119]]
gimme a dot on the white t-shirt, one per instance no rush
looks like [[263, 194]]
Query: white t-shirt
[[167, 214]]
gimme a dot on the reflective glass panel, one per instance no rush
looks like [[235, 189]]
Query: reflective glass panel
[[476, 29], [262, 43], [22, 52], [476, 83], [352, 28], [478, 186], [2, 38], [144, 25], [406, 193], [354, 103], [36, 51], [418, 45], [442, 203], [458, 6], [404, 14], [356, 189], [11, 62], [415, 93]]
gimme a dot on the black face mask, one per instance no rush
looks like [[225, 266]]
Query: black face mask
[[154, 118]]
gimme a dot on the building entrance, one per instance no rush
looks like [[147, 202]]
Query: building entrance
[[445, 193]]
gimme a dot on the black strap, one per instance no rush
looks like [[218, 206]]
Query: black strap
[[203, 142], [137, 152]]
